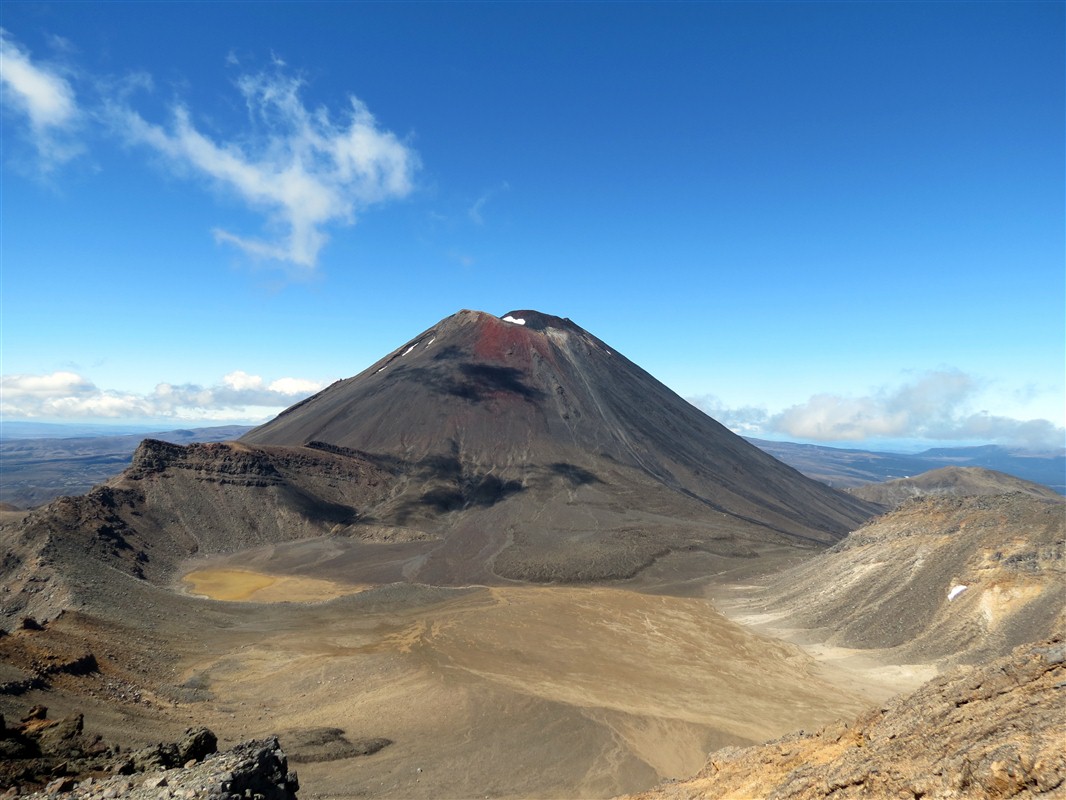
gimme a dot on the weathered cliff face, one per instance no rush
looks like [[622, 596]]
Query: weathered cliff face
[[993, 731], [172, 503], [961, 577]]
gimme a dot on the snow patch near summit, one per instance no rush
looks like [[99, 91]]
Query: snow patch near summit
[[409, 349], [514, 321]]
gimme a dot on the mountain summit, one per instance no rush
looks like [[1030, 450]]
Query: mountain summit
[[483, 450], [549, 455]]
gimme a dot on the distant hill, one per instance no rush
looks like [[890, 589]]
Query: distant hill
[[40, 462], [43, 467], [949, 481], [842, 468]]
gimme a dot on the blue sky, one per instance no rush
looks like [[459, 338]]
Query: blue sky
[[831, 222]]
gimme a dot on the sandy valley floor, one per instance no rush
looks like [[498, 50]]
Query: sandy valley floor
[[503, 691]]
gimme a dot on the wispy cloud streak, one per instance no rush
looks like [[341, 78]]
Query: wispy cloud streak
[[301, 168], [475, 211], [44, 97]]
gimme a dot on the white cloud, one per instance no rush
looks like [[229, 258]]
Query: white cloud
[[242, 380], [294, 386], [58, 384], [474, 212], [936, 406], [301, 168], [67, 395], [44, 97], [746, 420]]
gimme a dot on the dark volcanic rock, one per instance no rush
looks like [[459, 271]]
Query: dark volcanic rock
[[251, 769], [38, 749], [58, 757], [491, 423], [328, 744]]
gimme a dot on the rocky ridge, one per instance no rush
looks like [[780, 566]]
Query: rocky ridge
[[941, 577], [172, 503], [991, 731]]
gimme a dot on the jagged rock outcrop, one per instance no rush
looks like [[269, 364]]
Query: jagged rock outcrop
[[253, 769], [993, 731], [58, 759]]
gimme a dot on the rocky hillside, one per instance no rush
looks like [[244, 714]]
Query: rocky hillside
[[960, 577], [993, 731], [955, 481], [482, 450], [172, 503], [532, 397]]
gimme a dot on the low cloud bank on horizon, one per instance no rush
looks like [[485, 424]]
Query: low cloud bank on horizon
[[934, 407], [69, 396], [297, 166]]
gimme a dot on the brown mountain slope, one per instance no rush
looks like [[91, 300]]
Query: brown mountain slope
[[993, 731], [961, 577], [948, 481], [554, 454], [481, 450]]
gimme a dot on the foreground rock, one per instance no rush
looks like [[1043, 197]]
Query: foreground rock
[[994, 731], [251, 769], [58, 759], [56, 753]]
